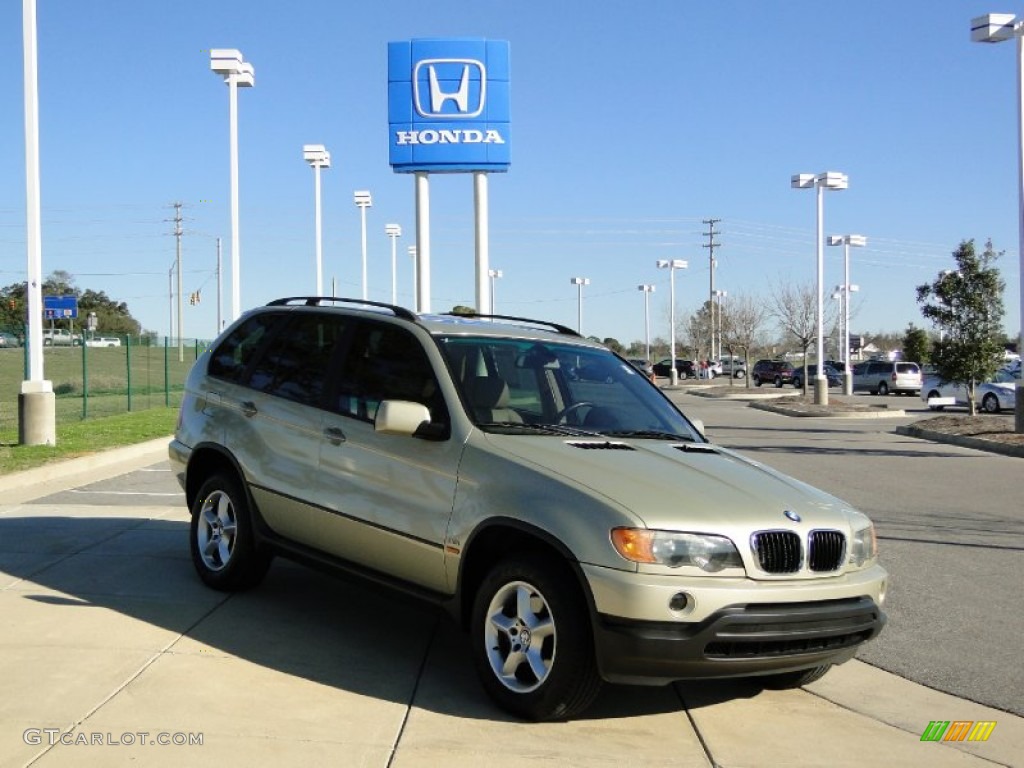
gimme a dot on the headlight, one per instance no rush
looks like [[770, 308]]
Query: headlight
[[709, 553], [864, 547]]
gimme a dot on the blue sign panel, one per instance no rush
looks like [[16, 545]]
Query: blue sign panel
[[60, 307], [449, 105]]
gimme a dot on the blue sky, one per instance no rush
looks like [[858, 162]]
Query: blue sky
[[632, 122]]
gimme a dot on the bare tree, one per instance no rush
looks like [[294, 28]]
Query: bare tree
[[795, 307], [742, 326]]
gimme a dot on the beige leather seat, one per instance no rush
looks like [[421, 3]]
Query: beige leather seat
[[489, 398]]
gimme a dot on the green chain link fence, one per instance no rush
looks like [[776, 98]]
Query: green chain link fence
[[125, 374]]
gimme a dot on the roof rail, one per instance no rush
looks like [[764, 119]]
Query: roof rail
[[316, 301], [559, 328]]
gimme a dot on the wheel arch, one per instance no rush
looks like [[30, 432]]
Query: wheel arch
[[205, 461], [500, 538]]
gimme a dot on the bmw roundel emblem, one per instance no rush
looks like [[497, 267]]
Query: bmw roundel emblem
[[791, 515]]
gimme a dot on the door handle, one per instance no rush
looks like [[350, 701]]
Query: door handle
[[334, 435], [248, 408]]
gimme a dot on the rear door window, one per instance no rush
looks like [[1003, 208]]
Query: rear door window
[[296, 363], [234, 354]]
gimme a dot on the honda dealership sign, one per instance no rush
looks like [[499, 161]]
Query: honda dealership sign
[[448, 105]]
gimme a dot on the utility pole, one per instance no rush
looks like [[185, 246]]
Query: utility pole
[[711, 245], [177, 261]]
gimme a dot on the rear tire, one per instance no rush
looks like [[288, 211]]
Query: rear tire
[[778, 382], [883, 388], [757, 381], [223, 546], [932, 394], [531, 639], [990, 403]]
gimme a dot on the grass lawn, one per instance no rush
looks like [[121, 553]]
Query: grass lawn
[[77, 438]]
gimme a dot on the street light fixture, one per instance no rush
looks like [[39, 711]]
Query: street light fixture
[[394, 232], [672, 265], [318, 157], [995, 28], [494, 274], [415, 279], [648, 290], [844, 305], [363, 201], [820, 182], [237, 74], [579, 282]]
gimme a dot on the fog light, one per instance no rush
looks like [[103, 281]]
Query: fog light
[[680, 601]]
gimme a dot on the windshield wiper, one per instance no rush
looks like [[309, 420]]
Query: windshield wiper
[[652, 434], [549, 429]]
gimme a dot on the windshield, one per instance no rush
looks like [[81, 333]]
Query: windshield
[[527, 387]]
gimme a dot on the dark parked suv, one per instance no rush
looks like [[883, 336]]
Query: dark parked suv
[[777, 372]]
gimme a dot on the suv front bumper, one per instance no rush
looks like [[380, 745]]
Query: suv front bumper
[[733, 627], [740, 641]]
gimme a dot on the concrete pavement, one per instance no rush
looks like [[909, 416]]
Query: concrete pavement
[[106, 634]]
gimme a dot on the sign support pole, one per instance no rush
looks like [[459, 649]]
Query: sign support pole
[[423, 241], [481, 210]]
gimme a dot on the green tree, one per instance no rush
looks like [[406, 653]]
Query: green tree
[[614, 345], [915, 344], [966, 304], [462, 309]]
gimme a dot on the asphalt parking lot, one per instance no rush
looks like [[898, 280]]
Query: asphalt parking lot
[[108, 635]]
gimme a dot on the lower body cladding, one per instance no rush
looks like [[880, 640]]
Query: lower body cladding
[[769, 628]]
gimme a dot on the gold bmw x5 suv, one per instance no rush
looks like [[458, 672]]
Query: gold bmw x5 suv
[[538, 486]]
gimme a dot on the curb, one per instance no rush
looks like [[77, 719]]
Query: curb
[[873, 414], [67, 473], [963, 441]]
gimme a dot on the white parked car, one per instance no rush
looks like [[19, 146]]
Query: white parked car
[[992, 396], [103, 341]]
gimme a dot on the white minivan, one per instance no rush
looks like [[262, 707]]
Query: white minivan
[[880, 377]]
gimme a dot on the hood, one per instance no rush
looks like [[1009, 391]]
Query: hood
[[673, 485]]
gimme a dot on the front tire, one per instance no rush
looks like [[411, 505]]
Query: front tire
[[932, 394], [531, 640], [990, 403], [778, 382], [224, 550], [757, 381]]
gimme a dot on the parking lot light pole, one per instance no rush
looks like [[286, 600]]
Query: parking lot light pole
[[720, 295], [394, 232], [579, 282], [415, 279], [363, 200], [995, 28], [820, 182], [494, 274], [844, 305], [318, 157], [648, 290], [237, 74], [672, 265]]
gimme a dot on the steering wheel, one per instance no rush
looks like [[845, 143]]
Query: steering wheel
[[562, 416]]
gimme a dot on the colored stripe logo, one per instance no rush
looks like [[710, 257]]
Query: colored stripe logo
[[958, 730]]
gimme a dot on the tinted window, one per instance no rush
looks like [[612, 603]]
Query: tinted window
[[385, 362], [231, 357], [907, 368], [297, 361]]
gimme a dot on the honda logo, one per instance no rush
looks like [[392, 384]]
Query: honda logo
[[430, 77]]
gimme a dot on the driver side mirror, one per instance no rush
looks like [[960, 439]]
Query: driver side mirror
[[699, 426]]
